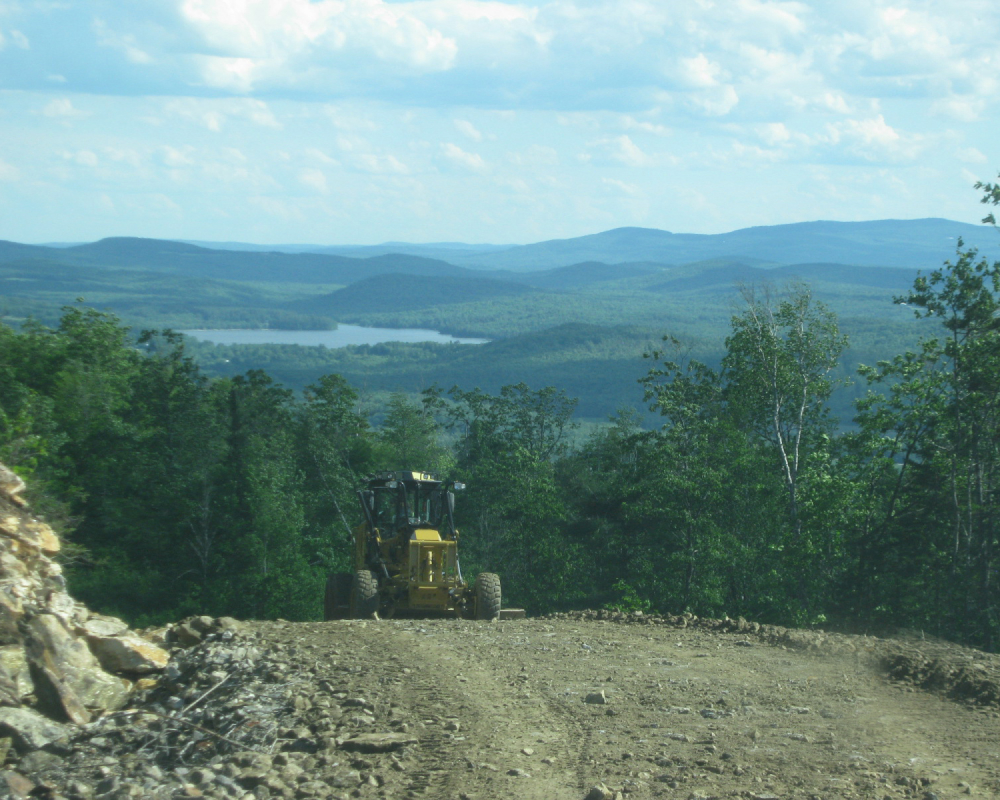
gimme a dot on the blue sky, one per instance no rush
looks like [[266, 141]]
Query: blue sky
[[361, 121]]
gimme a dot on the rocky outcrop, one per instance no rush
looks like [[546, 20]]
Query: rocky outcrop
[[60, 664]]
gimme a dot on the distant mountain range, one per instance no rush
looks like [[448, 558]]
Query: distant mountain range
[[922, 244], [179, 258]]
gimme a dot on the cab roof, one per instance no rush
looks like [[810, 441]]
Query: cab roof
[[404, 476]]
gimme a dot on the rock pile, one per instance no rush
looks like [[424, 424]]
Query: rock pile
[[61, 666], [235, 715]]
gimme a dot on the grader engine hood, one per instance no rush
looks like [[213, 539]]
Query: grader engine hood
[[433, 565]]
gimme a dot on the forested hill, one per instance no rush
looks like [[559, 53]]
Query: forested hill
[[919, 243], [888, 243], [190, 260], [723, 276], [408, 293]]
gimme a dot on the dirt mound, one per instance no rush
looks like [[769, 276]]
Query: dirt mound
[[961, 673], [958, 672]]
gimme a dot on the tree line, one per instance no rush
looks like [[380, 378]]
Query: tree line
[[183, 494]]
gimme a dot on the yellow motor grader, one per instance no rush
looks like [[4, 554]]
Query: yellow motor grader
[[406, 556]]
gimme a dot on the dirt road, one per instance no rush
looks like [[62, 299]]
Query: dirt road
[[542, 709], [501, 710]]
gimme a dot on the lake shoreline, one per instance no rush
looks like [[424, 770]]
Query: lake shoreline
[[343, 335]]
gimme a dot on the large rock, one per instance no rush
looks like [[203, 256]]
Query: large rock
[[56, 696], [10, 484], [30, 532], [66, 672], [15, 676], [100, 626], [126, 652], [11, 612], [29, 729]]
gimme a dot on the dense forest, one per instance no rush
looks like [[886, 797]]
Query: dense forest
[[181, 493], [188, 480]]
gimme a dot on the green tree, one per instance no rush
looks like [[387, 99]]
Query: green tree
[[512, 516], [708, 497], [337, 449], [940, 426], [778, 366], [737, 489], [410, 438]]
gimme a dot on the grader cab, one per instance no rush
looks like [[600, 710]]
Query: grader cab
[[406, 556]]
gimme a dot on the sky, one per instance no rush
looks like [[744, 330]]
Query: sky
[[364, 121]]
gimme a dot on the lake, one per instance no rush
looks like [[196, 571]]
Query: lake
[[343, 336]]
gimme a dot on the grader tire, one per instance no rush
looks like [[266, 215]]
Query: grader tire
[[337, 599], [487, 596], [364, 595]]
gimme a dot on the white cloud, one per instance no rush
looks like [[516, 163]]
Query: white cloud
[[8, 172], [470, 130], [835, 101], [536, 155], [214, 114], [631, 123], [958, 108], [700, 72], [234, 74], [774, 133], [624, 150], [871, 131], [178, 156], [715, 103], [380, 164], [126, 43], [628, 188], [85, 158], [159, 202], [970, 155], [347, 121], [518, 185], [318, 155], [124, 156], [457, 155], [873, 139], [19, 40], [61, 107], [314, 179], [265, 41]]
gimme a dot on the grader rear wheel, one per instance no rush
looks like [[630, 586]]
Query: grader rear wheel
[[337, 600], [364, 595], [487, 596]]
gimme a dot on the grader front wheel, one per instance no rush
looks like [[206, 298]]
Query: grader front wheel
[[487, 596]]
